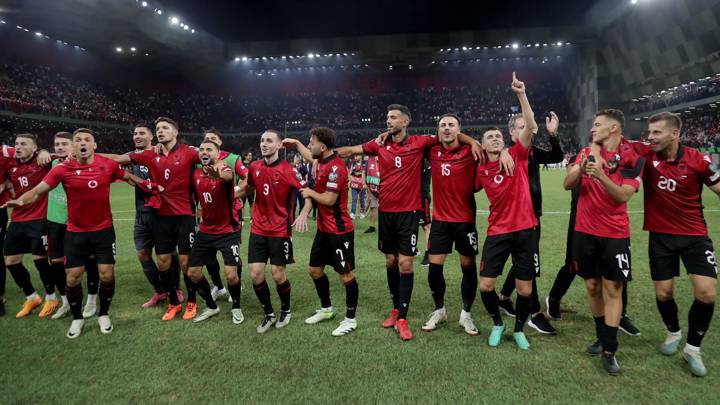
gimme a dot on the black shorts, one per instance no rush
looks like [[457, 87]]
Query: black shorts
[[206, 246], [443, 235], [26, 237], [665, 252], [172, 231], [423, 215], [596, 256], [338, 251], [521, 245], [144, 230], [397, 232], [56, 239], [79, 246], [278, 250]]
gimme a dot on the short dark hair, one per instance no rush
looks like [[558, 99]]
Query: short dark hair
[[613, 114], [403, 109], [211, 142], [324, 135], [274, 131], [670, 119], [144, 125], [64, 135], [214, 131], [27, 135], [168, 120], [451, 115], [85, 131]]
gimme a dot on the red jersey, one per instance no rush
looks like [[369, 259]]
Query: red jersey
[[511, 207], [332, 175], [453, 175], [240, 170], [174, 172], [25, 176], [274, 208], [7, 154], [217, 199], [673, 190], [400, 164], [597, 213], [88, 191]]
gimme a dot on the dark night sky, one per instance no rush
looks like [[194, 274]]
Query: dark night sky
[[282, 19]]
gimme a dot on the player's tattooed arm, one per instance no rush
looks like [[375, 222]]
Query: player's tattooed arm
[[291, 143], [29, 197]]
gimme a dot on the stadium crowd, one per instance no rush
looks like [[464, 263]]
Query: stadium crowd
[[704, 88]]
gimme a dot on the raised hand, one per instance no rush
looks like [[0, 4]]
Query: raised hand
[[552, 123], [517, 86]]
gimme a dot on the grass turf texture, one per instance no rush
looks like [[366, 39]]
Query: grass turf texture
[[145, 359]]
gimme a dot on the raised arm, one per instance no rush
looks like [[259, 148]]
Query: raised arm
[[531, 127], [302, 149], [122, 159]]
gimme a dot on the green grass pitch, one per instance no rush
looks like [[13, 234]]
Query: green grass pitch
[[146, 360]]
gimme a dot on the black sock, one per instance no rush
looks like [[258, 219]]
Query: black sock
[[2, 275], [46, 275], [468, 286], [599, 326], [609, 341], [509, 284], [352, 293], [58, 272], [534, 298], [75, 297], [407, 280], [624, 299], [322, 286], [393, 281], [203, 288], [283, 291], [699, 318], [263, 294], [234, 291], [522, 311], [22, 278], [190, 286], [167, 279], [151, 273], [563, 281], [93, 276], [669, 313], [107, 290], [436, 280], [175, 269], [492, 305], [213, 269]]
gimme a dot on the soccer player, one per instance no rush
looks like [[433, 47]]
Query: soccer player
[[275, 182], [219, 229], [673, 179], [372, 179], [511, 224], [172, 169], [27, 232], [536, 156], [602, 227], [145, 218], [424, 219], [240, 172], [453, 219], [334, 242], [90, 228], [56, 226], [249, 198], [400, 156]]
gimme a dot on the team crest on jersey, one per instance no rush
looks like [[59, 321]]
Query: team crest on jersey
[[276, 175], [333, 176]]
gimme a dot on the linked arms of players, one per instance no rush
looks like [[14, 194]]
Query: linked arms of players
[[29, 197]]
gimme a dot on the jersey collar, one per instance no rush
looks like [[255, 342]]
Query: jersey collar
[[678, 155], [327, 159], [275, 163]]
